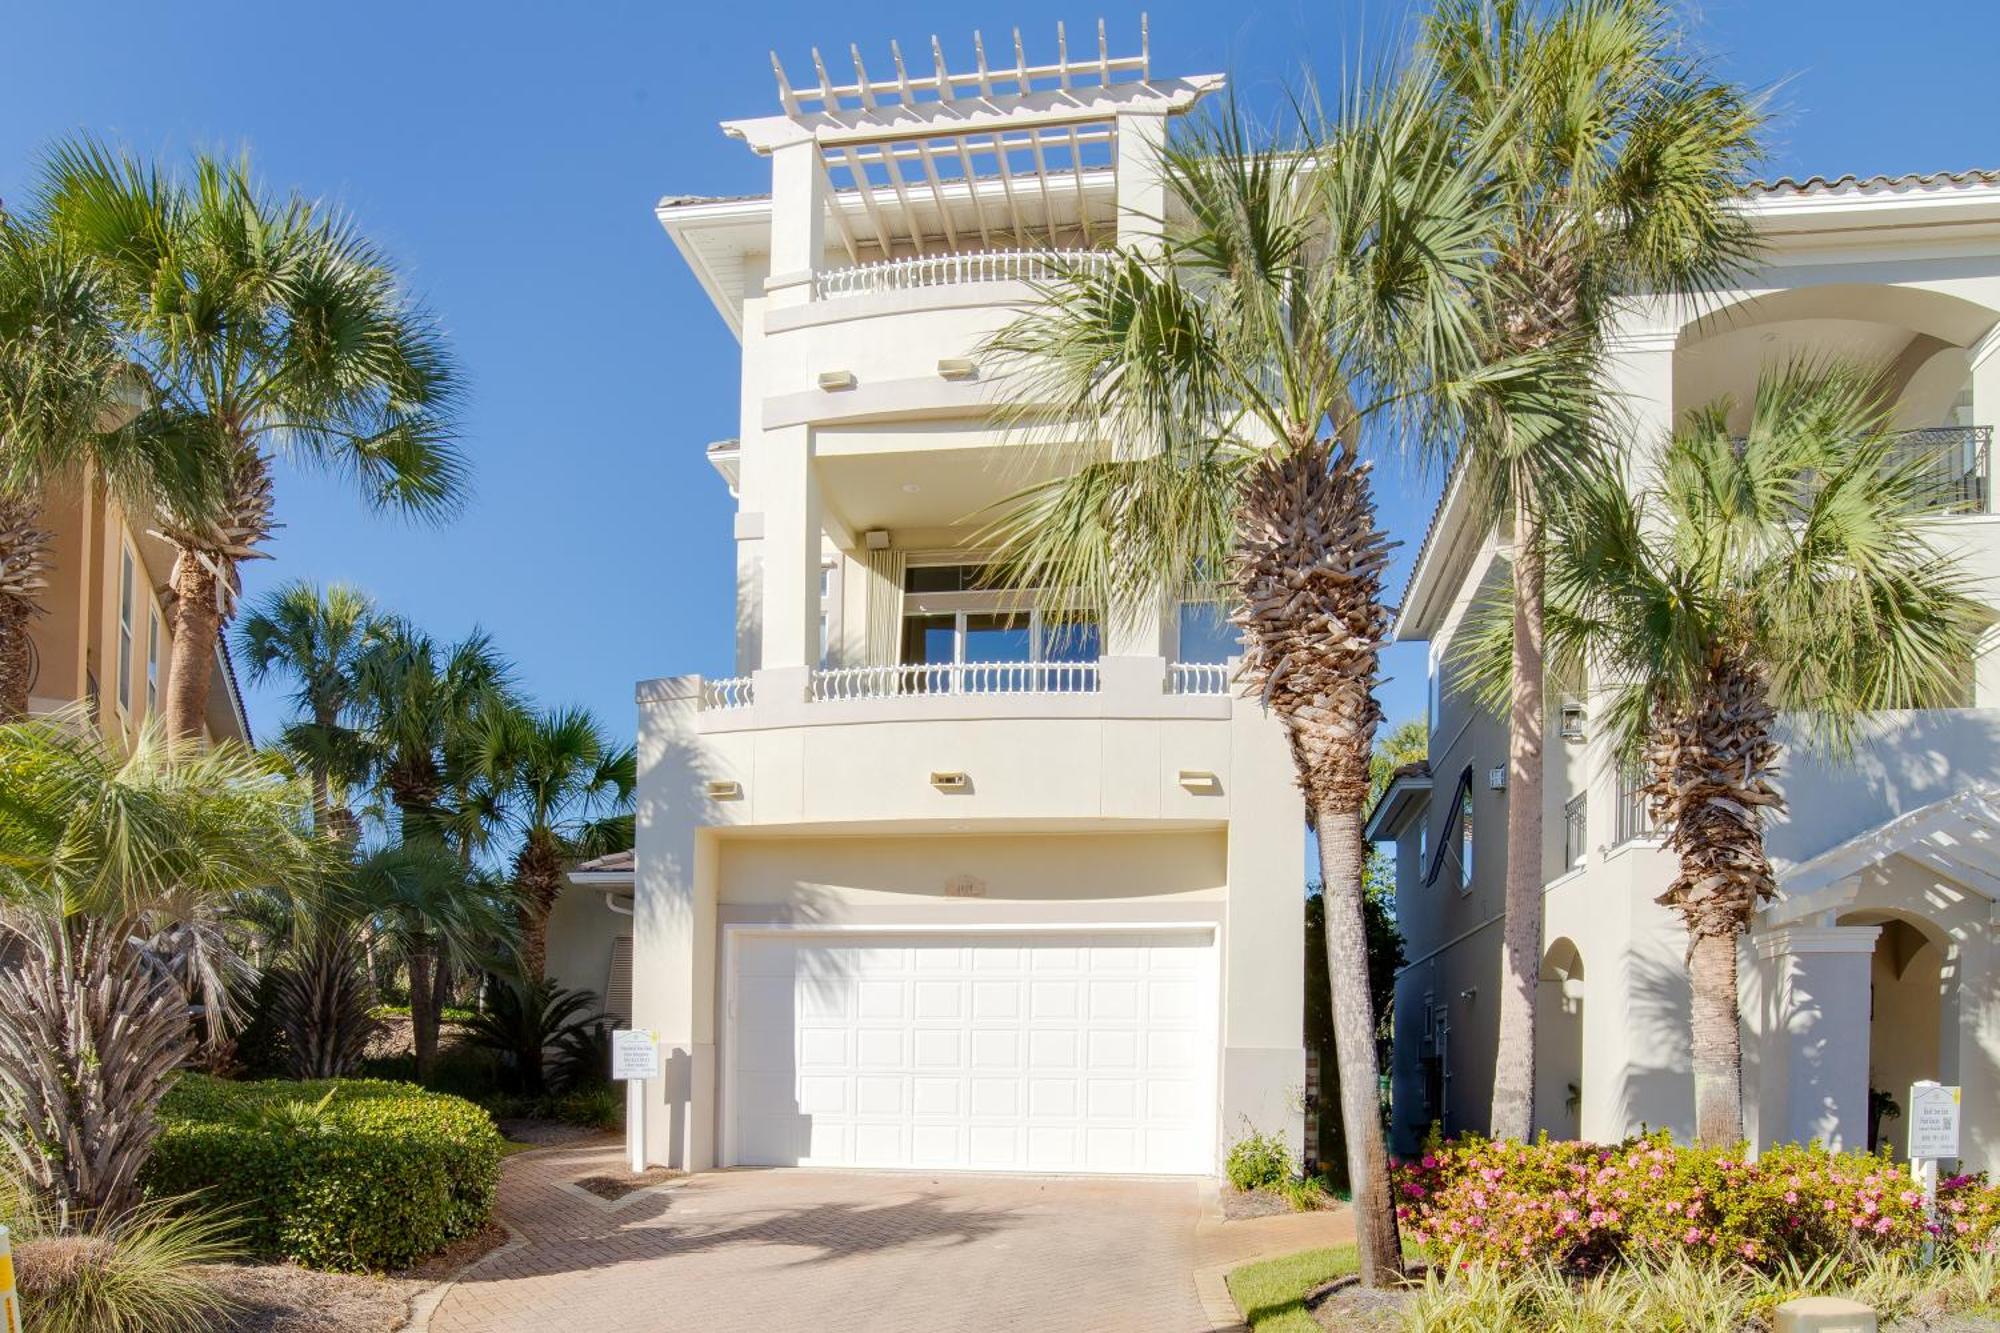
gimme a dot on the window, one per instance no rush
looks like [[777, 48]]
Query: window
[[153, 661], [1465, 839], [125, 595], [1455, 840], [1206, 634]]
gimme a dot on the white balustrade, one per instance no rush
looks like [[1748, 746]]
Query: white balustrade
[[918, 678], [1197, 678], [729, 692], [902, 275]]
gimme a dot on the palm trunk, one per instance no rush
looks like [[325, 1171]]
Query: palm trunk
[[423, 1014], [24, 564], [538, 879], [197, 620], [441, 990], [1513, 1109], [1718, 1050], [1341, 859]]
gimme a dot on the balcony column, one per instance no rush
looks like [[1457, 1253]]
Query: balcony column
[[792, 537], [1142, 186], [1813, 1027], [1984, 359], [799, 200]]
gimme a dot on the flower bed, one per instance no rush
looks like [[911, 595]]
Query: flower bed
[[1580, 1206], [347, 1174]]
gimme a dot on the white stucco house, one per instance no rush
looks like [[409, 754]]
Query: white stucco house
[[1877, 965], [941, 878]]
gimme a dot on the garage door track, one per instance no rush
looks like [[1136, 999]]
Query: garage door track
[[839, 1250]]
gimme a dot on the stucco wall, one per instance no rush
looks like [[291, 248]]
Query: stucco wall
[[581, 932]]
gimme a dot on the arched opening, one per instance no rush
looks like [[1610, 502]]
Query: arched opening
[[1559, 1042], [1905, 1020]]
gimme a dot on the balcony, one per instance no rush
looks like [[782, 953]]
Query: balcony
[[931, 681], [1954, 464], [946, 270]]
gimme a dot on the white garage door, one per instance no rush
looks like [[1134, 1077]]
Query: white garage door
[[997, 1053]]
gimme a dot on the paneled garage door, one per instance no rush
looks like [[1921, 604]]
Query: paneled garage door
[[1032, 1052]]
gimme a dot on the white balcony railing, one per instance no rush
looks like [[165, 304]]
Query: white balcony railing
[[902, 275], [1198, 678], [729, 692], [918, 678]]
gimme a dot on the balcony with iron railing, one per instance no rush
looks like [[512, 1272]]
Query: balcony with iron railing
[[1953, 464]]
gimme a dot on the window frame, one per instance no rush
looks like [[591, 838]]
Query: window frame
[[127, 641]]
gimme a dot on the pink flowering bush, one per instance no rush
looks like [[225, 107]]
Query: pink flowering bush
[[1583, 1205]]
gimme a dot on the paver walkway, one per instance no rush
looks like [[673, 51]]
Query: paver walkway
[[838, 1250]]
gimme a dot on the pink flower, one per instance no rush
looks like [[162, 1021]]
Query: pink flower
[[1693, 1235], [1791, 1196], [1430, 1162]]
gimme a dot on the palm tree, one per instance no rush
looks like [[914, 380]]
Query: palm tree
[[101, 849], [1319, 290], [67, 399], [1783, 569], [1616, 158], [260, 325], [567, 789], [317, 639]]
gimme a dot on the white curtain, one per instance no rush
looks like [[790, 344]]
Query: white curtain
[[885, 607]]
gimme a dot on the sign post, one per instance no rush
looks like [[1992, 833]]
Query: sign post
[[635, 1057], [1933, 1137], [10, 1304]]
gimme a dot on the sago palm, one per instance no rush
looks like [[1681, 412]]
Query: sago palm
[[1616, 157], [1785, 570], [262, 326], [67, 402], [566, 788], [101, 849], [1320, 291], [315, 638]]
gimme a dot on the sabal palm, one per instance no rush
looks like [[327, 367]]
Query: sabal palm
[[316, 639], [262, 326], [66, 393], [1783, 570], [1616, 157], [101, 848], [417, 698], [1320, 290], [566, 788]]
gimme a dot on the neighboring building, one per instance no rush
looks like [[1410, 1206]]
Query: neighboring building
[[105, 638], [944, 878], [1876, 966]]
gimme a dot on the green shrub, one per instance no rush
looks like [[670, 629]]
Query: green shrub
[[380, 1176], [137, 1276], [1258, 1161]]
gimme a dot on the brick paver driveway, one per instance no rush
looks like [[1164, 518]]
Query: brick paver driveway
[[829, 1251]]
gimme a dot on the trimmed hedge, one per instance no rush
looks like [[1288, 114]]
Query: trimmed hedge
[[379, 1177]]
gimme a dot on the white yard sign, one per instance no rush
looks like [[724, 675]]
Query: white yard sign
[[635, 1057], [1933, 1121]]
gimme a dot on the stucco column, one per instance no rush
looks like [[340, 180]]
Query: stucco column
[[1812, 1024], [799, 197], [1984, 358], [791, 544], [1142, 186], [1970, 1044], [673, 926], [1263, 940]]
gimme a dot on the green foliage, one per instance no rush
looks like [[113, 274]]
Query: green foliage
[[525, 1021], [1271, 1293], [1582, 1207], [383, 1175], [1258, 1161], [137, 1275]]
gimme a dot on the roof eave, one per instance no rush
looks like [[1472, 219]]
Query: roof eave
[[1393, 804]]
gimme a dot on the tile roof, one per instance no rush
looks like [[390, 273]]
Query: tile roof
[[1852, 184], [690, 200], [613, 861]]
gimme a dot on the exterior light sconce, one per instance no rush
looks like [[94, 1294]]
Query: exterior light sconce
[[1496, 778], [1572, 722], [957, 367], [832, 380], [722, 789], [951, 782], [877, 539], [1200, 783]]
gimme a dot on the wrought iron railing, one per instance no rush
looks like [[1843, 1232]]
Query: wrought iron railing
[[1576, 831], [915, 678], [728, 692], [1954, 464], [1635, 816], [1197, 678], [902, 275]]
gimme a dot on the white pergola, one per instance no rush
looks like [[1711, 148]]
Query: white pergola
[[991, 155], [1957, 837]]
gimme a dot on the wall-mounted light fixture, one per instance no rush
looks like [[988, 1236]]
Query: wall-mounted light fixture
[[957, 367], [1572, 722], [722, 789], [876, 539], [1496, 778], [951, 781], [837, 379], [1199, 782]]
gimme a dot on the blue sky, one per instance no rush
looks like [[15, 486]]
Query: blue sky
[[509, 154]]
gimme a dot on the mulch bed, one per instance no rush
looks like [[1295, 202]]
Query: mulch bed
[[285, 1298], [1347, 1306], [1239, 1204], [617, 1187]]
